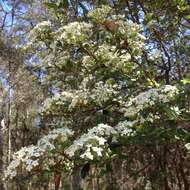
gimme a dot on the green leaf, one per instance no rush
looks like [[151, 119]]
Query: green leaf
[[186, 81], [188, 17], [63, 4], [51, 5]]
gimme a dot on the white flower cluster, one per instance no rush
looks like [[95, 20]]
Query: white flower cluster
[[99, 14], [58, 100], [149, 99], [129, 32], [99, 94], [102, 130], [92, 143], [132, 32], [48, 152], [40, 31], [110, 57], [125, 128], [35, 156], [27, 156], [103, 92], [74, 33], [48, 142]]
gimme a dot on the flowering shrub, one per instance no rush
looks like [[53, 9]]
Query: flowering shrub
[[103, 90]]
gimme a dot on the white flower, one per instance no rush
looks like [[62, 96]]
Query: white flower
[[87, 155], [187, 146], [176, 110], [98, 150], [101, 140]]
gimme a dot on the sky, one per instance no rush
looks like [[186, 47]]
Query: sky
[[4, 4], [6, 13]]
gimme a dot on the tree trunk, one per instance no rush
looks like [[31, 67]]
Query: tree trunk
[[75, 179], [1, 158]]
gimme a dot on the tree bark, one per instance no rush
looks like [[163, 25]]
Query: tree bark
[[1, 158]]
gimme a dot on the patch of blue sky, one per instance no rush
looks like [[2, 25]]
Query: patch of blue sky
[[88, 7], [6, 7]]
